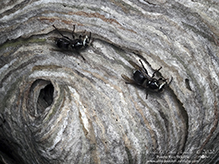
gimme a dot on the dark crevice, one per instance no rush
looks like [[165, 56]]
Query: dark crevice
[[45, 98], [130, 160], [8, 154], [40, 97], [188, 84], [185, 118]]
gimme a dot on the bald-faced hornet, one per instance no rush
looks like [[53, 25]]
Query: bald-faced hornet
[[75, 44], [143, 79]]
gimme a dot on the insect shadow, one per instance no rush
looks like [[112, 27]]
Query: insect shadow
[[143, 79]]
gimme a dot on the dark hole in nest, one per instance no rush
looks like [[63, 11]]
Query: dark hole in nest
[[41, 96], [45, 98]]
